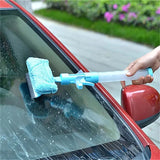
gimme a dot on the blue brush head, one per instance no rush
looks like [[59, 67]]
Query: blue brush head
[[40, 78]]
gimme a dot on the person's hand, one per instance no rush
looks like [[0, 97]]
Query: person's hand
[[151, 60]]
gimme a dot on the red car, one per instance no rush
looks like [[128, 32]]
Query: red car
[[71, 124]]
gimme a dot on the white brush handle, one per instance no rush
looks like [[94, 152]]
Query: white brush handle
[[121, 75]]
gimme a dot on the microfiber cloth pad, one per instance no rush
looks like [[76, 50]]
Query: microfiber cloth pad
[[41, 77]]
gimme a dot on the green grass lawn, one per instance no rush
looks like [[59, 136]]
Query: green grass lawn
[[136, 34]]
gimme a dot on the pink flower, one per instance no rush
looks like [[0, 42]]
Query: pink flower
[[121, 17], [115, 6], [150, 18], [126, 7], [108, 16], [158, 11], [132, 14]]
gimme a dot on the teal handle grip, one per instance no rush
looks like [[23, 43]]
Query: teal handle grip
[[150, 72], [79, 79]]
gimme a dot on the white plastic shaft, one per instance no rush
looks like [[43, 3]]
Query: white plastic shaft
[[120, 76]]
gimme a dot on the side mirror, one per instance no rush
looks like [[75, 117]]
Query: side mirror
[[142, 103]]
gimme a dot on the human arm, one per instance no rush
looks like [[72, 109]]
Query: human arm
[[151, 59]]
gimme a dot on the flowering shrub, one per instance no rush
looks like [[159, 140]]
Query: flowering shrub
[[135, 14], [144, 13], [91, 9]]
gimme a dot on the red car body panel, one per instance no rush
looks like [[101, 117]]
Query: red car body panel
[[155, 152], [4, 4]]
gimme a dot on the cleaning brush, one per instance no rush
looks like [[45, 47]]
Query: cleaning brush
[[41, 80]]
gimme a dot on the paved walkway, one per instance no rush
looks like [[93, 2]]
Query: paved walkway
[[99, 52]]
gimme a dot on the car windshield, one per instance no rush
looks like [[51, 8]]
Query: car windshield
[[70, 124], [54, 124]]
